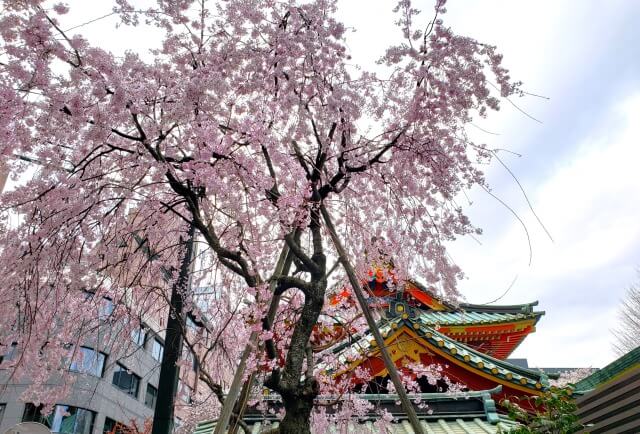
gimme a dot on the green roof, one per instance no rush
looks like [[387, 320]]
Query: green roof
[[629, 361], [439, 426], [464, 419], [444, 318], [205, 427], [467, 314]]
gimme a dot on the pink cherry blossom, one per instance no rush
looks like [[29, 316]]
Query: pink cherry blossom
[[244, 123]]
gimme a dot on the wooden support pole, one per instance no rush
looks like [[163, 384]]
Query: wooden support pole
[[234, 390], [241, 405], [356, 286]]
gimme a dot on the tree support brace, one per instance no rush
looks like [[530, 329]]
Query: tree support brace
[[355, 284], [234, 390]]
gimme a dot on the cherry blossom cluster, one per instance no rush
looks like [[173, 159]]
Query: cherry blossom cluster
[[247, 123]]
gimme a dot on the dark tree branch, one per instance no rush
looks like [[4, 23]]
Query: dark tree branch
[[308, 263]]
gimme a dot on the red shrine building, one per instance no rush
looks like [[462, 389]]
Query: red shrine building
[[468, 342]]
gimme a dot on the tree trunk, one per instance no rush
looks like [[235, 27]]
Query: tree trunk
[[298, 396], [297, 419]]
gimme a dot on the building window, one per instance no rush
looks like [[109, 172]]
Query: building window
[[10, 354], [88, 361], [112, 426], [210, 291], [2, 407], [190, 357], [105, 305], [64, 419], [109, 426], [67, 419], [138, 336], [157, 350], [105, 308], [151, 396], [184, 392], [32, 413], [126, 380]]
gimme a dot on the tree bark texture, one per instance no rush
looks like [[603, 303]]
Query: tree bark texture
[[298, 396]]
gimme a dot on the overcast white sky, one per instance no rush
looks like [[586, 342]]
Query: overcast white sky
[[578, 166]]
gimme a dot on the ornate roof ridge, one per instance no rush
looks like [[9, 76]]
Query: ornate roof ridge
[[507, 308], [394, 397], [497, 308], [473, 412]]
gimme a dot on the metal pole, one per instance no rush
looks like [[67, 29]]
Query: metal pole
[[169, 370]]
